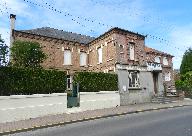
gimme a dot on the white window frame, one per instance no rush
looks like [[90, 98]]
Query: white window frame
[[165, 61], [159, 59], [132, 51], [83, 59], [100, 55], [67, 57], [133, 79], [168, 76]]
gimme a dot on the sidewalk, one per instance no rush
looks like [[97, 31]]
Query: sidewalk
[[77, 116]]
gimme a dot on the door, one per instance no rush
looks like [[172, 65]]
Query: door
[[155, 82]]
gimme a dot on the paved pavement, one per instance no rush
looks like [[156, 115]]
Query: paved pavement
[[76, 116], [14, 108], [169, 122]]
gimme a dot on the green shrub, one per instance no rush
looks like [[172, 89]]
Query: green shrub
[[31, 81], [95, 82], [185, 84]]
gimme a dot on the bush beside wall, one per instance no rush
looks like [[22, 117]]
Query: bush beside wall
[[95, 82], [185, 84], [31, 81]]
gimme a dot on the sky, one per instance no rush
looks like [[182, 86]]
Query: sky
[[167, 23]]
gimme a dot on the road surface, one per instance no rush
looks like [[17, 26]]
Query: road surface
[[169, 122]]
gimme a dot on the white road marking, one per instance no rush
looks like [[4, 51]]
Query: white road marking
[[52, 104], [31, 106]]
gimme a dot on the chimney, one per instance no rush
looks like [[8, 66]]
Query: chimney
[[12, 27]]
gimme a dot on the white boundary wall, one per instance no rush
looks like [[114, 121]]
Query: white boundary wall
[[20, 107]]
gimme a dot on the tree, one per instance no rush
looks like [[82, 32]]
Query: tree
[[27, 54], [3, 52], [186, 64]]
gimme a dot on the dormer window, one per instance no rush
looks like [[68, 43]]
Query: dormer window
[[158, 59]]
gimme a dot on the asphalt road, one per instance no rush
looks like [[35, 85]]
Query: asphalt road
[[171, 122]]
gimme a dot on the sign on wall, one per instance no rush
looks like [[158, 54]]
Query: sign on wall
[[153, 66]]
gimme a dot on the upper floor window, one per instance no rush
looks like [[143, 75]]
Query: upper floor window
[[67, 57], [83, 59], [158, 59], [165, 61], [132, 51], [134, 79], [168, 76], [99, 52]]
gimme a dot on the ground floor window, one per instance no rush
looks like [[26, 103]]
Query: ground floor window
[[134, 79], [168, 76]]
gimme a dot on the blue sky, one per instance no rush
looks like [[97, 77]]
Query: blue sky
[[167, 23]]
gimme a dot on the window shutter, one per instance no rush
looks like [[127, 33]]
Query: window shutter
[[99, 55], [132, 52], [83, 59], [67, 57]]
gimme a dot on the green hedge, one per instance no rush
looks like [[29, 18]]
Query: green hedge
[[31, 81], [95, 82], [185, 84]]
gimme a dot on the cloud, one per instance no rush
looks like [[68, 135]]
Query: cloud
[[134, 15]]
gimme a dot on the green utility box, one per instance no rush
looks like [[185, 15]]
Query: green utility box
[[73, 97]]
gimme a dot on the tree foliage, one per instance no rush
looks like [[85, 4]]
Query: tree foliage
[[3, 52], [185, 83], [186, 64], [27, 54]]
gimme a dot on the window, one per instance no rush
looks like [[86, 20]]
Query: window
[[99, 51], [132, 51], [134, 79], [67, 57], [168, 76], [157, 59], [83, 59], [165, 61]]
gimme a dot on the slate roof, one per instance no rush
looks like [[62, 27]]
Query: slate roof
[[60, 34]]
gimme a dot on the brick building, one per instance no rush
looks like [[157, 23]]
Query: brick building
[[115, 48]]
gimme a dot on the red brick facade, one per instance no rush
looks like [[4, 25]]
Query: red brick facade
[[115, 45]]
